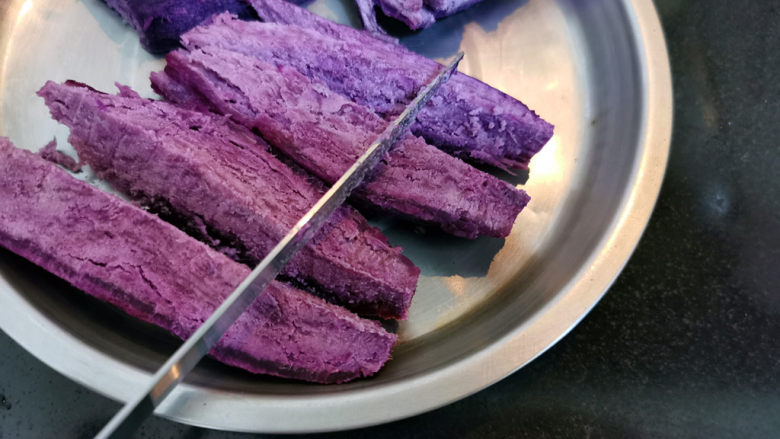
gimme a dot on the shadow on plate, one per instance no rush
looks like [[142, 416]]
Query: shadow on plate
[[438, 253]]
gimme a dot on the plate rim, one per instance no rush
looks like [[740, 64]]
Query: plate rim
[[359, 407]]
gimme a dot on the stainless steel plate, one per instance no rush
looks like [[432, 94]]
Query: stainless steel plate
[[597, 69]]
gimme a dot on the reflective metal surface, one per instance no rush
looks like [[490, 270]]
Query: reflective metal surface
[[596, 69]]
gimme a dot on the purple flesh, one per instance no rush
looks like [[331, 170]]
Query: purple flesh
[[410, 12], [368, 17], [416, 14], [325, 133], [467, 117], [177, 92], [123, 255], [214, 171], [282, 12], [50, 153], [159, 23]]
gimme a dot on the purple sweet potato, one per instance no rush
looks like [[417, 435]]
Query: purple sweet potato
[[283, 12], [413, 13], [444, 8], [52, 154], [159, 23], [368, 17], [123, 255], [325, 133], [466, 118], [416, 14], [215, 172]]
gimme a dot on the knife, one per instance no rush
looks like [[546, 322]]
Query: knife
[[130, 417]]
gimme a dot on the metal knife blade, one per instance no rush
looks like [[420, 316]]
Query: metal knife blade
[[200, 343]]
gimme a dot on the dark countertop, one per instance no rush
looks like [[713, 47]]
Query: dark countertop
[[685, 344]]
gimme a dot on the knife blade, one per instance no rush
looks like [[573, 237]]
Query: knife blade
[[178, 365]]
